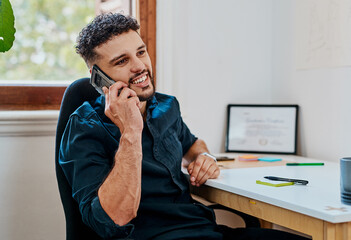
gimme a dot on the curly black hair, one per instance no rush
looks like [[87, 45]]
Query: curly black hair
[[100, 30]]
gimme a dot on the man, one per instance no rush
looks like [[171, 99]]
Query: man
[[122, 153]]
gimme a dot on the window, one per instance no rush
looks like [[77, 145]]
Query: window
[[46, 32], [44, 48], [44, 43]]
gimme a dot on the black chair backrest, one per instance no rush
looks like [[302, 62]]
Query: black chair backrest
[[77, 93]]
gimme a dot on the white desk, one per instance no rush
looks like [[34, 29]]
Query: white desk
[[314, 209]]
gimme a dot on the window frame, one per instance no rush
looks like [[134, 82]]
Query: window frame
[[48, 97]]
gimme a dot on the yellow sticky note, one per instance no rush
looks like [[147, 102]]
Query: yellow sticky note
[[280, 184]]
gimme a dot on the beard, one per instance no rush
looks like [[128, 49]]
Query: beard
[[149, 91]]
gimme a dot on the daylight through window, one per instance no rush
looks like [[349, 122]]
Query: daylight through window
[[46, 33]]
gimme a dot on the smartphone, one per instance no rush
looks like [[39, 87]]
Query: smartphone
[[100, 79]]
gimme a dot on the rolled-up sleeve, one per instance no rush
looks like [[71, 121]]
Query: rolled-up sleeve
[[86, 157], [185, 136]]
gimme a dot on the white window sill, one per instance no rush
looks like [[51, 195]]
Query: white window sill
[[47, 83], [28, 123]]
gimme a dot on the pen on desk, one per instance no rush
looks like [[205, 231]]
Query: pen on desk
[[300, 181], [304, 164], [224, 158]]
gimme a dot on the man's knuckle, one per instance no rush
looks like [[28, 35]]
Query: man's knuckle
[[198, 163]]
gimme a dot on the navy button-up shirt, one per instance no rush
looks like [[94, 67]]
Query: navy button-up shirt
[[166, 209]]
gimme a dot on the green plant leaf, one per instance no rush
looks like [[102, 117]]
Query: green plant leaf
[[7, 26]]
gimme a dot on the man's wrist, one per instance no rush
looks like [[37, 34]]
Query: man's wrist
[[131, 137], [209, 155]]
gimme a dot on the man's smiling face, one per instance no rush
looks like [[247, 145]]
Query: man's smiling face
[[125, 58]]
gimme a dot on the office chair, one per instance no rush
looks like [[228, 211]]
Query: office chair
[[77, 93]]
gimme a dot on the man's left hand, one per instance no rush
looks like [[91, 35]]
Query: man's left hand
[[201, 169]]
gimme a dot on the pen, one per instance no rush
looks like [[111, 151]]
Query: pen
[[301, 181], [304, 164], [224, 158]]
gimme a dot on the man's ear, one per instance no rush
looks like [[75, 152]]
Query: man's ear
[[90, 66]]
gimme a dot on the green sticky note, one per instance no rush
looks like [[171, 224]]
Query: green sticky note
[[280, 184], [269, 159]]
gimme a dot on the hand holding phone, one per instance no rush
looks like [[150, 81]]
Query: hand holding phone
[[99, 79]]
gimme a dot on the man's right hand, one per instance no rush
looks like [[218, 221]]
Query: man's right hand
[[123, 109], [125, 175]]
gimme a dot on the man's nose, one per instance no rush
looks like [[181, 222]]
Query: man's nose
[[137, 65]]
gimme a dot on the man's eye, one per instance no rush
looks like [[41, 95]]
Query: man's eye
[[120, 62], [141, 53]]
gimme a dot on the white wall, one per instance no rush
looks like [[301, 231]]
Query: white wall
[[323, 93], [211, 53], [30, 206]]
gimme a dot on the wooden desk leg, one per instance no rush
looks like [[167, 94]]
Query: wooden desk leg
[[343, 231], [329, 231], [340, 231]]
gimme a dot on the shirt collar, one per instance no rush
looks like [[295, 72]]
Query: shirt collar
[[152, 103]]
